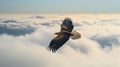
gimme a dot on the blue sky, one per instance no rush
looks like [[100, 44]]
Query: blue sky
[[59, 6]]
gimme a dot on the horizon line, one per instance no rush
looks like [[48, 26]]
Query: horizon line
[[53, 13]]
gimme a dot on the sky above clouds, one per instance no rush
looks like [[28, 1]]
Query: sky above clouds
[[59, 6]]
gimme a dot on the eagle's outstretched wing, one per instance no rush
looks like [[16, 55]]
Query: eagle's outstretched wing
[[68, 23], [62, 36]]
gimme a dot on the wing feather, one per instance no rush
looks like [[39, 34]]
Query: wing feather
[[59, 36]]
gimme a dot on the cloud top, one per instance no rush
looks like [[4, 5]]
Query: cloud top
[[98, 47]]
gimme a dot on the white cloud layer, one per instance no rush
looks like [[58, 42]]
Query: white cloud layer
[[98, 47]]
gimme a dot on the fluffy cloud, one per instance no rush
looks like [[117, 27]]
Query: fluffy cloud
[[38, 17], [98, 47], [15, 27]]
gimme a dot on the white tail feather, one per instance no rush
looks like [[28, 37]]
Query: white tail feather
[[76, 35]]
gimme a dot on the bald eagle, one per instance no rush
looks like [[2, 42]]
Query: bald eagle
[[62, 36]]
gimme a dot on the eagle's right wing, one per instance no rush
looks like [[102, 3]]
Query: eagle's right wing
[[67, 25]]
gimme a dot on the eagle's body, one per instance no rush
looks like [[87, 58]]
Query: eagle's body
[[62, 36]]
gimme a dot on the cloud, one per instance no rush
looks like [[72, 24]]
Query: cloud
[[15, 27], [106, 41], [113, 21], [17, 52], [42, 17], [9, 21], [38, 17], [52, 23], [76, 24], [92, 50]]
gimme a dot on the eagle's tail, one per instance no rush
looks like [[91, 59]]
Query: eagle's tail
[[76, 35]]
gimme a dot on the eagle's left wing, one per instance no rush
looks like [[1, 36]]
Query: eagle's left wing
[[58, 41]]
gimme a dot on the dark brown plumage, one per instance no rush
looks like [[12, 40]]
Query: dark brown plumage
[[62, 36]]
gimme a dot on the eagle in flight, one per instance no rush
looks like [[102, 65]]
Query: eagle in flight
[[62, 36]]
